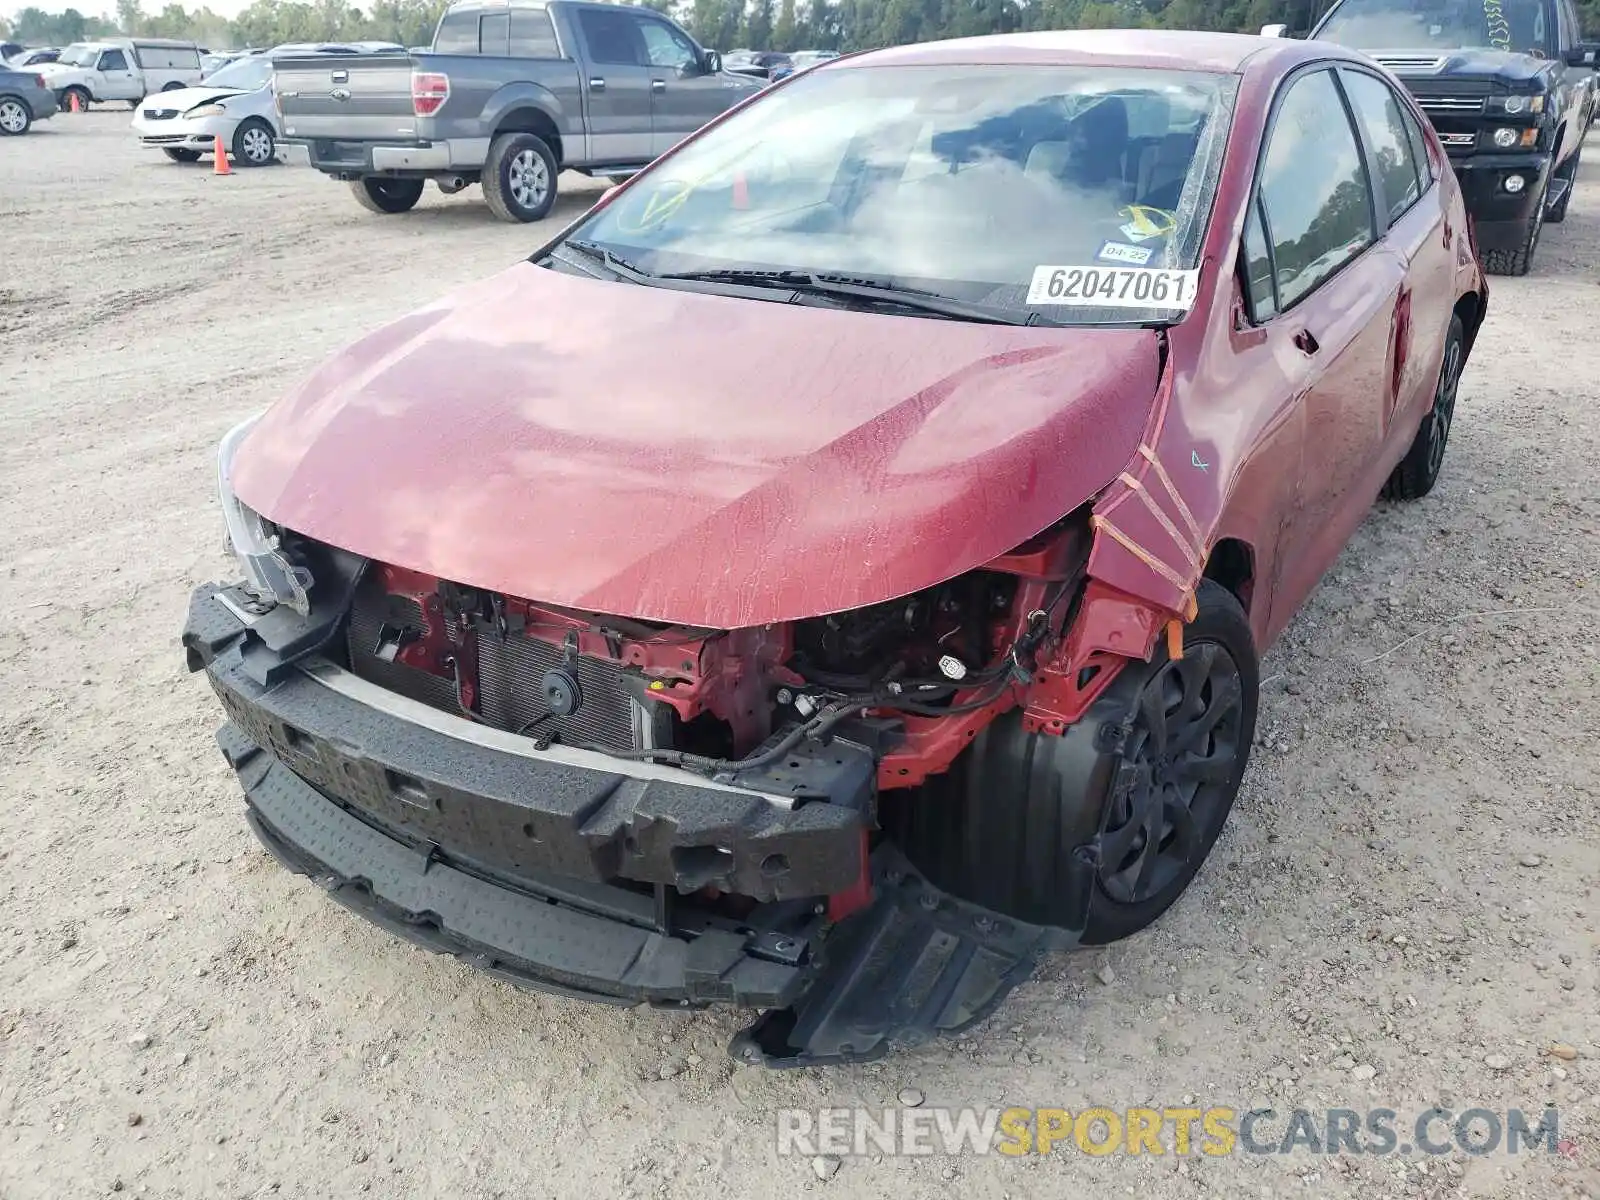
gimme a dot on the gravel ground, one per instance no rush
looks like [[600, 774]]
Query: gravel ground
[[1401, 912]]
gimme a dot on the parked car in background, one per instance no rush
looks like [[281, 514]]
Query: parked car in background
[[768, 65], [847, 706], [9, 50], [215, 61], [24, 99], [122, 69], [234, 103], [804, 60], [33, 58], [510, 95], [1508, 84]]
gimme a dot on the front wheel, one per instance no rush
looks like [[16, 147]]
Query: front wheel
[[81, 95], [519, 178], [381, 195], [16, 118], [1004, 826], [179, 155], [253, 143]]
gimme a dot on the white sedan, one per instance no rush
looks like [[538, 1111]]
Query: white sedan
[[233, 103]]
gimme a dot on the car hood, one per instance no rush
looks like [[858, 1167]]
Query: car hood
[[698, 459], [183, 99], [1500, 66]]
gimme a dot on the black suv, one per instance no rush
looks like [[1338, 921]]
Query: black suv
[[1509, 86]]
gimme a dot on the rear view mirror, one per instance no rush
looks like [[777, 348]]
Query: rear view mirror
[[1276, 31]]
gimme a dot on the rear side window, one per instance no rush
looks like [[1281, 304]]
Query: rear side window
[[1314, 190], [494, 33], [457, 34], [612, 37], [532, 35], [1419, 148], [1379, 115]]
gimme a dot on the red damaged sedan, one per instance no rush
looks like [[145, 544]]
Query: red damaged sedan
[[834, 569]]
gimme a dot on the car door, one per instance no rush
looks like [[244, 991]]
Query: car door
[[1322, 290], [618, 84], [1419, 233], [117, 80], [685, 96]]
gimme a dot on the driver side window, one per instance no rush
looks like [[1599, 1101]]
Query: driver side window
[[1313, 208], [113, 60], [666, 47]]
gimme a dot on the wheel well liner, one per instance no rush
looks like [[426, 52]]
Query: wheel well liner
[[1232, 563], [1470, 309], [535, 121]]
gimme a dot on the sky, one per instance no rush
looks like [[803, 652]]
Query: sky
[[107, 8]]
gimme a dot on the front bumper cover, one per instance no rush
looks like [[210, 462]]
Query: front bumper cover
[[427, 834]]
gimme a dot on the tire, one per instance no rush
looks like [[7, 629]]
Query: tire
[[1569, 172], [253, 144], [519, 178], [172, 85], [178, 155], [380, 195], [1517, 262], [16, 118], [1001, 827], [1419, 469], [82, 94]]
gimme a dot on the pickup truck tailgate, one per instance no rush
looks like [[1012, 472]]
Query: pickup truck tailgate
[[355, 97]]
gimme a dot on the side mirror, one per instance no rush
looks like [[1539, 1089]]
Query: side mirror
[[1275, 31], [710, 62], [1584, 54]]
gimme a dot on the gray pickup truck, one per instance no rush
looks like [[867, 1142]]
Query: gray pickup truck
[[511, 93]]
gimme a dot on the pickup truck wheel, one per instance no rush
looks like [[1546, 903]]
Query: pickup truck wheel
[[83, 98], [253, 143], [1002, 826], [1517, 262], [380, 195], [15, 117], [519, 178], [179, 155], [1568, 173], [1419, 469]]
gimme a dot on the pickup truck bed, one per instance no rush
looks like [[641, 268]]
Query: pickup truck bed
[[471, 111]]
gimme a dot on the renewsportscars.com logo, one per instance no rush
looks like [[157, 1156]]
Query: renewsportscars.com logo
[[1182, 1131]]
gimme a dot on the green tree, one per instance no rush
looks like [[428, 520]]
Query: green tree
[[784, 33]]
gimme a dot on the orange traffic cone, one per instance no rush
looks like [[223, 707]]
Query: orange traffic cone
[[220, 153], [73, 103]]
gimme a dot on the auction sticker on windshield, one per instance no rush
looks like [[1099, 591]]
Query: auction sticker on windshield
[[1113, 287]]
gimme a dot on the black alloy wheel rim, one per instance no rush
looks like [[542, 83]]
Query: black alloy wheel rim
[[1183, 752], [1444, 405]]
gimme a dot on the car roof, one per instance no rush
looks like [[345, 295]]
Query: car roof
[[1173, 49]]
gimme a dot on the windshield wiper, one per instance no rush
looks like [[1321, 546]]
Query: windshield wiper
[[873, 291], [620, 267]]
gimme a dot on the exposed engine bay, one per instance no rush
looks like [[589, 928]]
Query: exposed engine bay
[[906, 680]]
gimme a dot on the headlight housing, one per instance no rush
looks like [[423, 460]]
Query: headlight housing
[[1518, 104], [1507, 138], [207, 110], [255, 542]]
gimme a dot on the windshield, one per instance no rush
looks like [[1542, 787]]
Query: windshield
[[965, 181], [79, 56], [1516, 25], [246, 74]]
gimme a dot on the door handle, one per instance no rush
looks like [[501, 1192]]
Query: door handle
[[1306, 342], [597, 85], [658, 85]]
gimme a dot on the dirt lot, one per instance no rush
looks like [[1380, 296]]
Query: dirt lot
[[1402, 911]]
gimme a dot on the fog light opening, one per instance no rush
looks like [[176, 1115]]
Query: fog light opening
[[1514, 183]]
